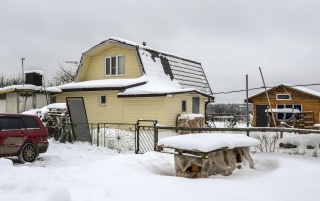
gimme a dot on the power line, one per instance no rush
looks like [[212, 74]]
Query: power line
[[251, 89]]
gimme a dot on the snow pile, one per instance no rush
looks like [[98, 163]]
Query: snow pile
[[208, 142], [307, 141], [80, 172], [61, 106], [42, 112], [190, 116], [37, 112]]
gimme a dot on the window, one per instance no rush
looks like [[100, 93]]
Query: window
[[102, 100], [30, 122], [281, 116], [115, 65], [10, 123], [283, 97], [184, 106]]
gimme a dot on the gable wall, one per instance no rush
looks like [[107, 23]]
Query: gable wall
[[308, 102], [96, 69]]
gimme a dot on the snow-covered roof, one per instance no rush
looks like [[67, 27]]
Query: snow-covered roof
[[28, 87], [164, 73], [299, 88], [107, 83], [34, 71], [207, 142]]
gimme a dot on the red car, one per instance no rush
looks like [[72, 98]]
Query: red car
[[23, 136]]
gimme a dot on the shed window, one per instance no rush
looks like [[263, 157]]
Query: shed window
[[283, 97], [102, 100], [114, 65], [184, 106], [282, 116]]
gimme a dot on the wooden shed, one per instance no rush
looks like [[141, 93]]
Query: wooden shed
[[285, 101]]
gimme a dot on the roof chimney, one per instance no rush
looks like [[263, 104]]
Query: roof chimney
[[144, 43]]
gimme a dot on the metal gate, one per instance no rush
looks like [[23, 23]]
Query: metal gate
[[79, 119], [146, 136]]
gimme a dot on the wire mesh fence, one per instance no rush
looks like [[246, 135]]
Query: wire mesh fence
[[144, 136]]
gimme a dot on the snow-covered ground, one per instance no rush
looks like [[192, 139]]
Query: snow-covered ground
[[80, 171]]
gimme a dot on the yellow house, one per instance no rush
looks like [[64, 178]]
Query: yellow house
[[122, 82]]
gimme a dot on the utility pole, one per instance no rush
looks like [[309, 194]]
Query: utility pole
[[22, 59], [247, 96]]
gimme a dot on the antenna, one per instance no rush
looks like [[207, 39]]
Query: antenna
[[22, 59], [71, 62]]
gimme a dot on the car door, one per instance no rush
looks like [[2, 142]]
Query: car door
[[12, 135]]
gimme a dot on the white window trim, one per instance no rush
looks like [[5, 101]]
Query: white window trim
[[100, 103], [292, 106], [281, 98], [117, 66]]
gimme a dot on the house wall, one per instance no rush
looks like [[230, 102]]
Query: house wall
[[308, 102], [25, 102], [97, 64], [130, 109], [40, 100], [3, 103], [12, 102]]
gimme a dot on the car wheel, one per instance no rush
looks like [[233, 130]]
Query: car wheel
[[28, 153]]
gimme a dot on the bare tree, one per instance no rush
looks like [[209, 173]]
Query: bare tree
[[8, 81], [62, 76]]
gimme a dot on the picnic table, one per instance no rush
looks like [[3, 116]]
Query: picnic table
[[204, 154]]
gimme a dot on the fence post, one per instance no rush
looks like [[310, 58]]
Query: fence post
[[98, 131], [155, 134], [137, 137]]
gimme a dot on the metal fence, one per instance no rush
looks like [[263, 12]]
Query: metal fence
[[144, 135], [268, 136], [147, 136], [118, 136]]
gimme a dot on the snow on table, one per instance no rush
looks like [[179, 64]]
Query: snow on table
[[201, 155], [207, 142]]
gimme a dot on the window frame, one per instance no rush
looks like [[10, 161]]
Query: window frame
[[183, 106], [101, 104], [117, 66], [277, 97], [289, 106]]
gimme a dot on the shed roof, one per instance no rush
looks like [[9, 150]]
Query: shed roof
[[28, 87], [297, 88]]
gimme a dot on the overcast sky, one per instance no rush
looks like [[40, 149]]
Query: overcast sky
[[230, 38]]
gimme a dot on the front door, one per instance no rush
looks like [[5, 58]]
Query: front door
[[79, 119], [261, 116]]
